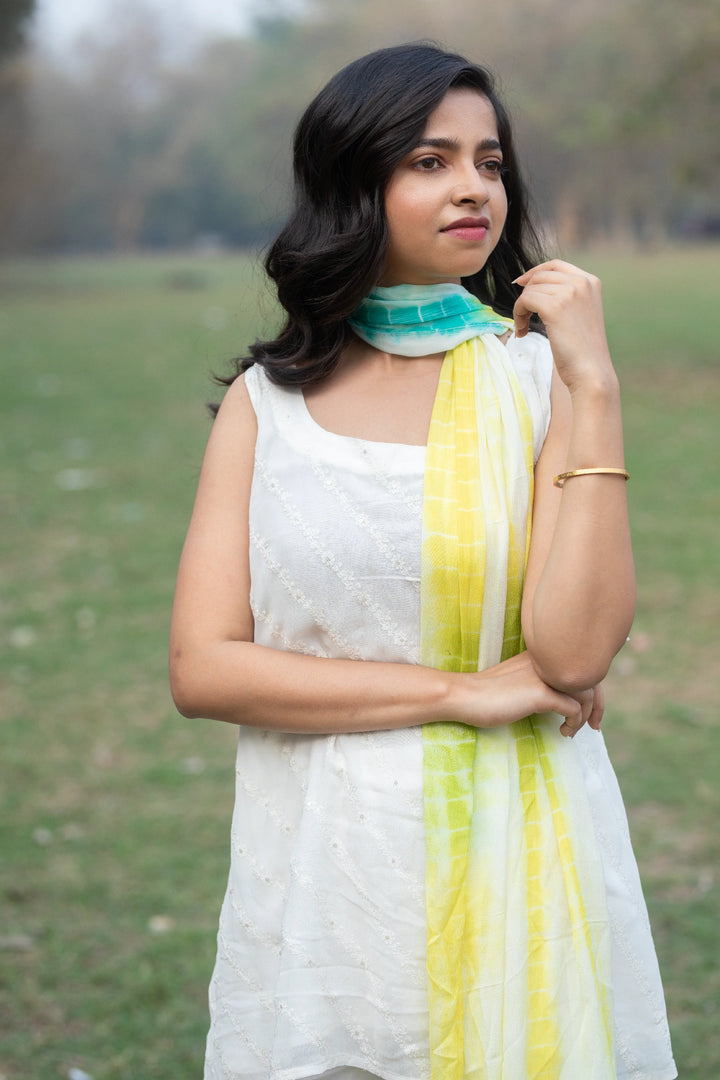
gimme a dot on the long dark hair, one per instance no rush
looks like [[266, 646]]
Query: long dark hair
[[331, 252]]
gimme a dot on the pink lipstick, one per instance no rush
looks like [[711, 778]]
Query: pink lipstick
[[468, 228]]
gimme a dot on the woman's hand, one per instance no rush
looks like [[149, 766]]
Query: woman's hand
[[512, 690], [569, 302]]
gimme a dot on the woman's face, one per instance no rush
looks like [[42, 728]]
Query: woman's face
[[445, 203]]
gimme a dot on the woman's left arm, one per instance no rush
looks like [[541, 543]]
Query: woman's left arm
[[579, 597]]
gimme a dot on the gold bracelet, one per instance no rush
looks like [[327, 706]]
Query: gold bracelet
[[563, 476]]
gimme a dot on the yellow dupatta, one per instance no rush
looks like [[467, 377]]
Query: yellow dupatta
[[518, 942]]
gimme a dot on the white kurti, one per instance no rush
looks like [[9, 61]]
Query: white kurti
[[322, 938]]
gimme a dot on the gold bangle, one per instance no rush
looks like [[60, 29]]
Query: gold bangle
[[563, 476]]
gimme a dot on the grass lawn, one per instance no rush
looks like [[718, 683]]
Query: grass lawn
[[114, 811]]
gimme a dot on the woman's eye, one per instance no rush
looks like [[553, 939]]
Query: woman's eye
[[427, 164], [492, 166]]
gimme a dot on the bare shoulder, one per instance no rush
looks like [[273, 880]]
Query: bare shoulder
[[234, 429], [230, 453], [237, 404]]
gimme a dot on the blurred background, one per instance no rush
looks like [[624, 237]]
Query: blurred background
[[144, 162], [151, 124]]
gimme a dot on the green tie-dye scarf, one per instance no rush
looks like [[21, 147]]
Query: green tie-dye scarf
[[418, 320]]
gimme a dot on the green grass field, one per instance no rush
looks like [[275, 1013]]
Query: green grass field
[[114, 811]]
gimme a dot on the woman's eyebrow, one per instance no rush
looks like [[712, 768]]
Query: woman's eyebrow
[[443, 143]]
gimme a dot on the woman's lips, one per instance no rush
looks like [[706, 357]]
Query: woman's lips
[[472, 229]]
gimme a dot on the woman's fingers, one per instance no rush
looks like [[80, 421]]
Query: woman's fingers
[[577, 711], [521, 692], [557, 291], [541, 292], [586, 707], [572, 711], [598, 707], [553, 267]]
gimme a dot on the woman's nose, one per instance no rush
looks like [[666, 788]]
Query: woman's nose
[[471, 186]]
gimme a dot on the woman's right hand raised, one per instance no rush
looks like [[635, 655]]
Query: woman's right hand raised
[[512, 690]]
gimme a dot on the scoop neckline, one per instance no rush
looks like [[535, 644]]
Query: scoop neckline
[[335, 436]]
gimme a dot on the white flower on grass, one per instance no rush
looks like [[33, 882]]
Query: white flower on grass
[[22, 637], [161, 924], [193, 766], [16, 943], [78, 479]]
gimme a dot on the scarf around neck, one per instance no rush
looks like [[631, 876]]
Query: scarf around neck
[[517, 929], [418, 320], [517, 925]]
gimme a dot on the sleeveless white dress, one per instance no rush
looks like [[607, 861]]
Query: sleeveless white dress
[[320, 968]]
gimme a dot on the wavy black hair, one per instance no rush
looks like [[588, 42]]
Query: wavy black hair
[[331, 252]]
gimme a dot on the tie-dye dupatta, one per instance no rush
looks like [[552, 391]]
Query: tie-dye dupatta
[[518, 942], [418, 320], [517, 923]]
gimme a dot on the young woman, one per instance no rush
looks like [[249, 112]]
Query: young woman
[[428, 878]]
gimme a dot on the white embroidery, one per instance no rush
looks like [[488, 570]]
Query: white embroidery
[[314, 544], [306, 896]]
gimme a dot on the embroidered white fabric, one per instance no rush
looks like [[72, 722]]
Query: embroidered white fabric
[[320, 968]]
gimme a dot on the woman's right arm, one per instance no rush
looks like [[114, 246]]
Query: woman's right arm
[[217, 671]]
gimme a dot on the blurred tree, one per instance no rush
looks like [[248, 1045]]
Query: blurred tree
[[15, 17], [117, 131], [616, 107]]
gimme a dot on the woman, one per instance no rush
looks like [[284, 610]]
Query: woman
[[427, 878]]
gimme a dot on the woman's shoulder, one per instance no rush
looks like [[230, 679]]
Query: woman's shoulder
[[251, 389], [237, 408], [277, 411], [252, 381]]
